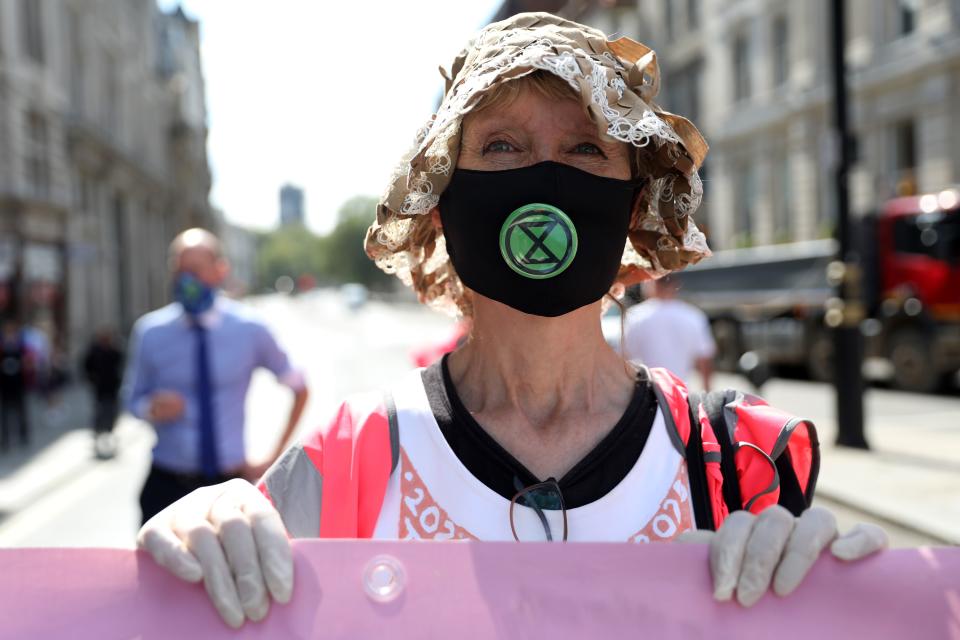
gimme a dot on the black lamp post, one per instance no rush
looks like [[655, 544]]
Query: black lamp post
[[845, 312]]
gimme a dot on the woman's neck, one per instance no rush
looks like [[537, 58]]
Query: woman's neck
[[539, 368]]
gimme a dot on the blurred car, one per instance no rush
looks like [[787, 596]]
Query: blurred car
[[354, 295], [284, 285]]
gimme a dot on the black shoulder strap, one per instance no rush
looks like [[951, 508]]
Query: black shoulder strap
[[697, 473], [394, 424], [791, 496], [713, 403]]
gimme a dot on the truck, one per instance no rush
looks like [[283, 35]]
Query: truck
[[773, 301]]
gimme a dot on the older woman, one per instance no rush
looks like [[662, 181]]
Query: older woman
[[547, 176]]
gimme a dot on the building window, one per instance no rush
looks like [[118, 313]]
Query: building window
[[111, 96], [741, 68], [905, 157], [31, 29], [780, 47], [86, 195], [693, 14], [37, 157], [744, 197], [684, 93], [906, 17], [783, 197], [669, 19], [75, 37]]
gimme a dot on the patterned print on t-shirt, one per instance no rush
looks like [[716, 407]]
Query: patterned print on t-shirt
[[420, 515], [422, 518], [673, 517]]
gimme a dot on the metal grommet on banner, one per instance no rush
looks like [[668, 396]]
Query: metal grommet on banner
[[384, 578]]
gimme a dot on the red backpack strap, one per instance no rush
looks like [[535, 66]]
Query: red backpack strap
[[702, 462], [332, 484], [715, 501], [672, 395]]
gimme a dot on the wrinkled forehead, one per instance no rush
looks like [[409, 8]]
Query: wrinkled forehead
[[533, 100]]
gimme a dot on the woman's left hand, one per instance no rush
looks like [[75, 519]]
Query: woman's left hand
[[749, 552]]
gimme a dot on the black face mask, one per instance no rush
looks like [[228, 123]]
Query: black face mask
[[545, 239]]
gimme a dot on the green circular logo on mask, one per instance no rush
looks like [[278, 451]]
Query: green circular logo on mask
[[538, 241]]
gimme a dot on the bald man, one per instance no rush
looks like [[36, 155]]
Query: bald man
[[188, 374]]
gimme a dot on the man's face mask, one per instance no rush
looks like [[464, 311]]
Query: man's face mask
[[195, 296], [545, 239]]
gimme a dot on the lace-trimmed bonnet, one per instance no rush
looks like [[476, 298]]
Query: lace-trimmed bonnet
[[617, 81]]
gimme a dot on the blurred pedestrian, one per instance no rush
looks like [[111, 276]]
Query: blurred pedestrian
[[14, 374], [37, 342], [663, 331], [188, 373], [103, 367]]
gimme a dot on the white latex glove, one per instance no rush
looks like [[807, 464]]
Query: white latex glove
[[231, 537], [748, 551]]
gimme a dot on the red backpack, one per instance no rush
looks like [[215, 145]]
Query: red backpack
[[741, 453]]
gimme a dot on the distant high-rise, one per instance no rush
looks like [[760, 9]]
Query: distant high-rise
[[291, 205]]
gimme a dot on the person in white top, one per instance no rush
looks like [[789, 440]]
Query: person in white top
[[663, 331]]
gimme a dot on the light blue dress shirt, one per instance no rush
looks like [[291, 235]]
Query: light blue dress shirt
[[163, 358]]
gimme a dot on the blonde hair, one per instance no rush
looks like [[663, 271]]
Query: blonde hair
[[547, 84]]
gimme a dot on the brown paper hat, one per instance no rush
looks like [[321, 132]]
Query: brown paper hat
[[617, 81]]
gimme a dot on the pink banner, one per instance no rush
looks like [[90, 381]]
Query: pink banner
[[482, 590]]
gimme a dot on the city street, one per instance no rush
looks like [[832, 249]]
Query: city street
[[74, 500], [64, 497]]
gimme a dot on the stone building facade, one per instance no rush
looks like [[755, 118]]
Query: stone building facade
[[102, 159], [754, 76], [240, 249]]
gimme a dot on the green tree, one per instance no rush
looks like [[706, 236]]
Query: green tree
[[288, 251], [358, 207], [344, 255], [336, 258]]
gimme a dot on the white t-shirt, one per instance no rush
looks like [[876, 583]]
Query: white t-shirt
[[667, 333], [432, 495]]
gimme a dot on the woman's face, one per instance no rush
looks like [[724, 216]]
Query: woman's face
[[534, 128]]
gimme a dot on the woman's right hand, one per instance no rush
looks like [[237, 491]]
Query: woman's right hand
[[231, 537]]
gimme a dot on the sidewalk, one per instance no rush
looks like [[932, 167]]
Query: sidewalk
[[60, 442], [923, 497]]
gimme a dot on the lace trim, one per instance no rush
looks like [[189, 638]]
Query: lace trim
[[538, 55]]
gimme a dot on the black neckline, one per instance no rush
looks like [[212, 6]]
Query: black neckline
[[598, 472]]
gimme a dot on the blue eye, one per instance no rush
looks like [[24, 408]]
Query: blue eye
[[499, 146], [588, 148]]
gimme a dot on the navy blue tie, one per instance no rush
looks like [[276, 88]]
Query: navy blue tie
[[204, 388]]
